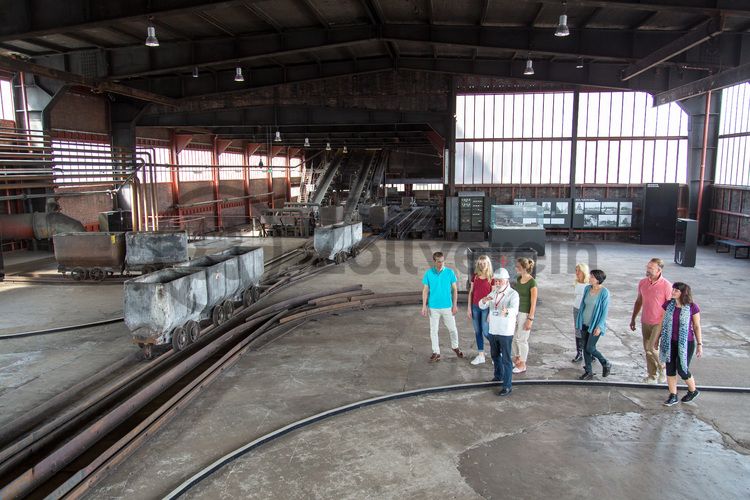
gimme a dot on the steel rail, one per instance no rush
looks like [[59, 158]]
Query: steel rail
[[138, 392], [50, 464], [59, 329]]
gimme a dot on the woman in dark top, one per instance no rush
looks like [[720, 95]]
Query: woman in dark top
[[481, 286], [680, 337]]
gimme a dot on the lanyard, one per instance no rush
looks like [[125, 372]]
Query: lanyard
[[500, 297]]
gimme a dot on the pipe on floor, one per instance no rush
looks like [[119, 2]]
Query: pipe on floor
[[300, 424]]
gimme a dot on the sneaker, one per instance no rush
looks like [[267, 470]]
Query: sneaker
[[505, 391], [649, 380], [519, 370], [458, 352], [606, 369], [690, 396], [586, 376], [478, 360], [577, 359], [662, 377], [671, 400], [435, 357]]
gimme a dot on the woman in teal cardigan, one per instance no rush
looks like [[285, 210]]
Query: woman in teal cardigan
[[592, 321]]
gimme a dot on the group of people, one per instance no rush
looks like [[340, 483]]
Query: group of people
[[503, 315]]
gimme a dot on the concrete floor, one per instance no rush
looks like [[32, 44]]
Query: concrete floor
[[571, 442]]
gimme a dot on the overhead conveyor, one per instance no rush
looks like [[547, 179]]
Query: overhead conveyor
[[327, 178]]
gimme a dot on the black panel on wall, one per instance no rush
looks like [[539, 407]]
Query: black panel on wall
[[659, 214]]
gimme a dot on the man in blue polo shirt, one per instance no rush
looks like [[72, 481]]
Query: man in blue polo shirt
[[440, 300]]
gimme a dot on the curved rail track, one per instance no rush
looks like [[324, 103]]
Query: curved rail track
[[62, 447]]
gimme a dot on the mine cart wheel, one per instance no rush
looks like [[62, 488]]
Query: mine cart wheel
[[228, 308], [193, 330], [97, 274], [354, 252], [146, 349], [179, 339], [218, 315], [78, 274]]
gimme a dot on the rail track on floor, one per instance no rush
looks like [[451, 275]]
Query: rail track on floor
[[62, 447]]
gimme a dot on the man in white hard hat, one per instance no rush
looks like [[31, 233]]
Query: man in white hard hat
[[503, 305]]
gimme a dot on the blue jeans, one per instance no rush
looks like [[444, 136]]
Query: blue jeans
[[501, 347], [481, 325]]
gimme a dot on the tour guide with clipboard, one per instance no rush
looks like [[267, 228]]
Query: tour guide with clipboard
[[503, 304]]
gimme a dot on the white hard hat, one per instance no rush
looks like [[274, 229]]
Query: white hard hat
[[501, 274]]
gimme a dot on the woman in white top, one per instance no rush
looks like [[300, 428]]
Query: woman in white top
[[582, 279]]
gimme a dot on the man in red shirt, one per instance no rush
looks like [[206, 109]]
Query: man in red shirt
[[653, 291]]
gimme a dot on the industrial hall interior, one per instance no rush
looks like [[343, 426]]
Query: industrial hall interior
[[374, 249]]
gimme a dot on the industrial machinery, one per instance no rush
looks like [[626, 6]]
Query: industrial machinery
[[96, 255], [288, 221], [338, 241], [169, 306]]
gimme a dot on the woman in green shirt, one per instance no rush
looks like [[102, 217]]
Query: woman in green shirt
[[527, 293]]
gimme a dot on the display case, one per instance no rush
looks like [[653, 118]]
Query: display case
[[518, 227], [517, 216]]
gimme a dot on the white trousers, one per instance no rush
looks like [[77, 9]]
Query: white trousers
[[449, 321], [521, 338]]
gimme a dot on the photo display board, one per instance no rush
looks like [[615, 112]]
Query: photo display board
[[556, 210], [602, 214]]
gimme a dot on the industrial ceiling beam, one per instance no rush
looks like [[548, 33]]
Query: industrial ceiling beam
[[714, 82], [705, 31], [289, 116], [604, 75], [96, 85], [600, 44], [734, 8], [46, 17]]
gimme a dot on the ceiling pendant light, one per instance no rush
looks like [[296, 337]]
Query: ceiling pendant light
[[307, 142], [529, 67], [562, 25], [579, 63], [238, 75], [328, 146], [277, 138], [195, 72], [345, 150], [151, 40], [260, 163]]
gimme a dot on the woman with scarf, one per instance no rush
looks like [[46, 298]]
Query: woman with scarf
[[680, 337]]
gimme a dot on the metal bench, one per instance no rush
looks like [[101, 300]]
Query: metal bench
[[725, 246]]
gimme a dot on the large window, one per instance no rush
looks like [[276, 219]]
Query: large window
[[156, 152], [6, 101], [733, 155], [231, 163], [528, 139], [513, 138], [79, 161], [622, 139], [195, 164]]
